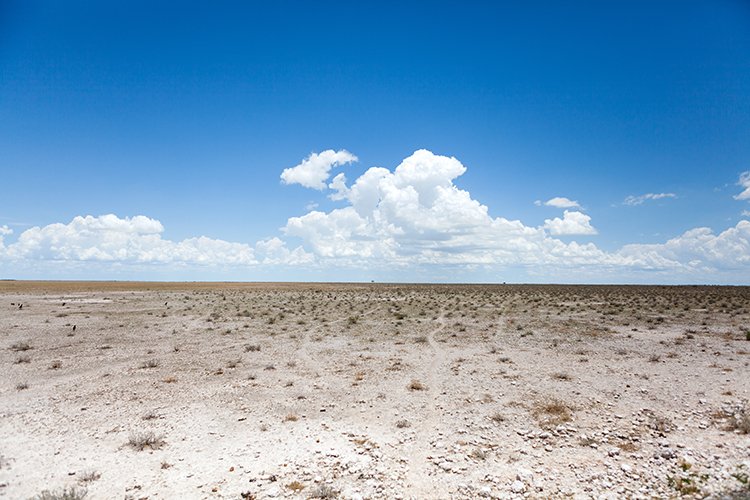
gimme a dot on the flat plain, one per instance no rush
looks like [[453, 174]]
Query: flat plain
[[253, 390]]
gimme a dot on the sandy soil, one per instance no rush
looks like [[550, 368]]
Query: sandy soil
[[373, 391]]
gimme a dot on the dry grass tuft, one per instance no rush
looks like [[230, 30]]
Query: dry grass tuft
[[149, 363], [552, 412], [20, 346], [71, 493], [416, 385], [89, 476], [295, 486], [142, 440], [323, 491], [497, 417]]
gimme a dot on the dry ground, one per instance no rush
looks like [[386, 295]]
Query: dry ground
[[142, 390]]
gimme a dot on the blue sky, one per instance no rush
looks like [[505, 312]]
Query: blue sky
[[187, 117]]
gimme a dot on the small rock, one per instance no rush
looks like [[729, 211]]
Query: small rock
[[524, 475], [517, 487]]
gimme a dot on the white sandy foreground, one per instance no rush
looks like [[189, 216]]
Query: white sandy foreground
[[373, 391]]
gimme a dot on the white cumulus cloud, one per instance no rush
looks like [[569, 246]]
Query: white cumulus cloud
[[410, 218], [338, 184], [110, 238], [700, 249], [416, 214], [572, 223], [558, 202], [315, 169], [633, 200], [274, 251], [744, 182]]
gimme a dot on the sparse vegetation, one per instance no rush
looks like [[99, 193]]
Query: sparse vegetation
[[89, 476], [20, 346], [323, 491], [500, 367], [67, 493], [552, 412], [139, 441], [295, 486], [497, 417], [416, 385], [149, 363]]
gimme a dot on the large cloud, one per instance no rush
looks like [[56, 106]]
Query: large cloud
[[408, 218], [416, 214], [110, 238], [315, 169], [700, 249]]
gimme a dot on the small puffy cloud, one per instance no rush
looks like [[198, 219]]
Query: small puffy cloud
[[109, 238], [638, 200], [315, 169], [744, 182], [572, 223], [745, 213], [558, 202]]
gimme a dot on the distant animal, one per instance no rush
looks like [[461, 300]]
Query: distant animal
[[63, 304], [74, 327], [165, 303], [20, 306]]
